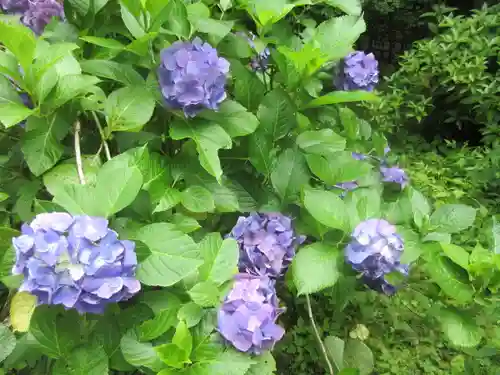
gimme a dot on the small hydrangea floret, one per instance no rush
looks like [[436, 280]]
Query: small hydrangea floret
[[394, 174], [359, 71], [375, 250], [192, 76], [267, 243], [247, 318], [75, 261], [260, 61]]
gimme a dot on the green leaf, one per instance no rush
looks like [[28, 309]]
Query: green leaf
[[66, 174], [413, 246], [269, 12], [183, 338], [8, 341], [117, 185], [327, 208], [457, 254], [459, 329], [277, 114], [338, 167], [12, 109], [129, 108], [88, 360], [41, 144], [234, 118], [20, 40], [266, 365], [191, 313], [131, 20], [290, 174], [104, 42], [335, 37], [229, 362], [205, 294], [140, 353], [351, 7], [420, 206], [69, 87], [55, 335], [358, 355], [200, 19], [122, 73], [448, 280], [174, 255], [453, 218], [261, 153], [185, 224], [169, 199], [165, 315], [209, 138], [220, 258], [336, 97], [335, 349], [197, 199], [248, 89], [321, 142], [172, 355], [22, 307], [315, 267], [177, 19]]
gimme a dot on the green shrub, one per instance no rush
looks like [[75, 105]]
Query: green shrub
[[448, 85]]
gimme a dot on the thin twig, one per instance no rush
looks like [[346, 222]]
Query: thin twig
[[79, 165], [103, 138], [318, 337]]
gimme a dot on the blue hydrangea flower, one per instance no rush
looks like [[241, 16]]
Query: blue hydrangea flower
[[359, 71], [77, 262], [261, 60], [394, 174], [247, 318], [346, 187], [267, 243], [14, 6], [40, 13], [375, 250], [192, 76]]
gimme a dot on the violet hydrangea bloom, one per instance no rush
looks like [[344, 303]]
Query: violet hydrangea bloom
[[394, 174], [40, 13], [267, 243], [75, 261], [359, 71], [14, 6], [192, 76], [247, 318], [375, 250]]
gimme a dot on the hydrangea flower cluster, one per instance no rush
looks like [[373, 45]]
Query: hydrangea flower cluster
[[35, 14], [75, 261], [375, 250], [261, 60], [359, 71], [267, 243], [248, 315], [192, 76]]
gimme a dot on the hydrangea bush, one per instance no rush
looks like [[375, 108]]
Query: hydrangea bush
[[166, 173]]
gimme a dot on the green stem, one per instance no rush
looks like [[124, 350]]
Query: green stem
[[103, 137], [318, 336]]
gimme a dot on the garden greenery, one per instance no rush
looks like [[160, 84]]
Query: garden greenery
[[169, 168]]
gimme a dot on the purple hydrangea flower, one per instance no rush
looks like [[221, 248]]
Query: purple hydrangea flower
[[14, 6], [28, 103], [267, 243], [247, 318], [77, 262], [40, 13], [192, 76], [261, 60], [359, 156], [394, 174], [346, 187], [375, 251], [359, 71]]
